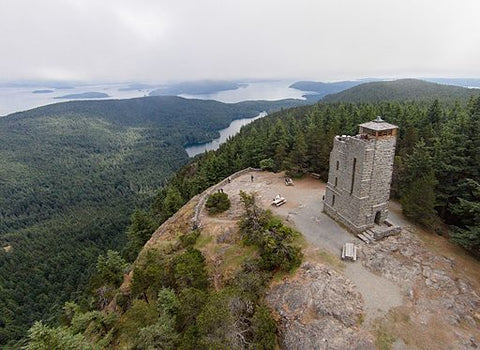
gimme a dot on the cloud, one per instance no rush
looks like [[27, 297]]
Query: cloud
[[156, 40]]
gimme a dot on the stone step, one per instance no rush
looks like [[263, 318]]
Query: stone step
[[370, 235], [364, 238]]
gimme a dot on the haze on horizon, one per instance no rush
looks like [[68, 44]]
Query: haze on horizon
[[151, 40]]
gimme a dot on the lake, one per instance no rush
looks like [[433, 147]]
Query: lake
[[229, 131]]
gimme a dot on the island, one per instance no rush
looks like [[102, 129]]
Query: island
[[45, 91], [83, 95]]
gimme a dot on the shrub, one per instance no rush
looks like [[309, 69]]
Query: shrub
[[217, 203], [267, 164], [189, 239], [264, 329]]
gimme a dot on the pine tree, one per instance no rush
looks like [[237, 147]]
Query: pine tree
[[418, 188]]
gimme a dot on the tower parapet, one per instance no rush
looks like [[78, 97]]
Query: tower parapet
[[360, 175]]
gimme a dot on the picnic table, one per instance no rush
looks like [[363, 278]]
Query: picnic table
[[278, 200], [349, 251]]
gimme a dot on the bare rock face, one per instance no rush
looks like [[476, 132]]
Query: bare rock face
[[319, 309], [438, 297]]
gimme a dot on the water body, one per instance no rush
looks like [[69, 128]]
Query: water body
[[229, 131], [260, 90], [21, 98]]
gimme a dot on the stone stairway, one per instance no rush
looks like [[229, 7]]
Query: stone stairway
[[370, 235]]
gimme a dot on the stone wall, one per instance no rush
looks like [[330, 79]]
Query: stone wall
[[368, 162]]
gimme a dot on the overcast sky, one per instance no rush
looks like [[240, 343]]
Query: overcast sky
[[171, 40]]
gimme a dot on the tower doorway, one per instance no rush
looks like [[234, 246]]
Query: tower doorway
[[378, 217]]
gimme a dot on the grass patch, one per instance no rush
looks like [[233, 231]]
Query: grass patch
[[383, 338], [235, 255], [202, 241]]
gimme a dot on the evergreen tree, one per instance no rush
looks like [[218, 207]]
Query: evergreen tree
[[418, 188], [138, 233]]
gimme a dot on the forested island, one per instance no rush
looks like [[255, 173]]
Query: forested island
[[89, 95]]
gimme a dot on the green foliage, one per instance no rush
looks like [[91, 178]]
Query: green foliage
[[189, 270], [71, 174], [401, 90], [223, 321], [110, 268], [167, 303], [267, 164], [264, 329], [138, 233], [160, 335], [468, 208], [140, 315], [42, 337], [251, 281], [217, 203], [418, 193], [191, 302], [189, 239], [273, 238], [173, 201], [152, 274]]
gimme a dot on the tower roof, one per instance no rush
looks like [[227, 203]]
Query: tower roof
[[378, 124]]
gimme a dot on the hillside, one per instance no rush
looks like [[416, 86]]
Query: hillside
[[70, 176], [401, 90], [212, 288], [318, 89]]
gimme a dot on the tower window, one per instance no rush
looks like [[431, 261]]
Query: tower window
[[338, 163], [353, 174], [336, 181], [333, 200]]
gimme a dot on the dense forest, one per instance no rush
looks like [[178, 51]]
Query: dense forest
[[436, 178], [71, 174], [401, 90]]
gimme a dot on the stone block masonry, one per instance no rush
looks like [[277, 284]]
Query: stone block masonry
[[360, 175]]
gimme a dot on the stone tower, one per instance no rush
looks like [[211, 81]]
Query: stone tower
[[360, 174]]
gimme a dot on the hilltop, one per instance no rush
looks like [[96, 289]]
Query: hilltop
[[401, 90]]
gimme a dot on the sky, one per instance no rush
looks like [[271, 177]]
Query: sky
[[175, 40]]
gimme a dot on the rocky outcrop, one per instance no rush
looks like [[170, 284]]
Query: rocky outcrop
[[438, 296], [319, 308]]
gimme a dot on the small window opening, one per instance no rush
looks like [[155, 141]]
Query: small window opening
[[333, 200], [353, 174], [336, 181]]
